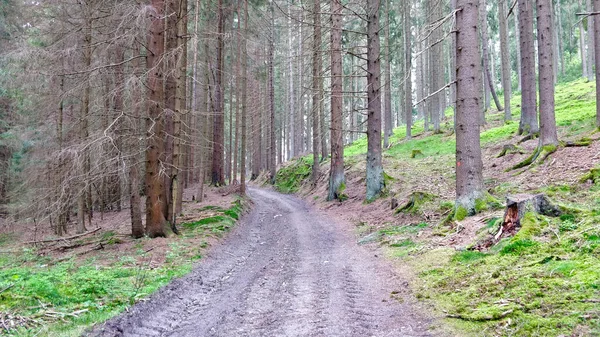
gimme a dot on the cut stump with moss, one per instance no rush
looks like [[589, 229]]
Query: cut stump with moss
[[415, 200], [416, 153], [519, 205], [520, 213]]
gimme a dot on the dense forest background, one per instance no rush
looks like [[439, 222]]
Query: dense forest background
[[98, 96]]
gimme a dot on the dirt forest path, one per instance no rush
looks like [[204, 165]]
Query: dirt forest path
[[285, 270]]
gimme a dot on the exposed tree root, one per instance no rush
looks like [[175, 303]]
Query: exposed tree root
[[528, 137], [509, 148], [537, 158], [578, 143]]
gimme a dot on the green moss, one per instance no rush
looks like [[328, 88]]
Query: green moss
[[289, 178], [530, 226], [518, 247], [460, 213]]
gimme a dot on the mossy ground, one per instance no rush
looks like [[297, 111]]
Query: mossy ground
[[62, 299], [542, 282]]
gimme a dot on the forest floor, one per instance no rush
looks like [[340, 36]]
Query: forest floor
[[285, 270], [52, 286], [544, 281]]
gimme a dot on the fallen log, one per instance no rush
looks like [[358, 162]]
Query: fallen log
[[63, 239]]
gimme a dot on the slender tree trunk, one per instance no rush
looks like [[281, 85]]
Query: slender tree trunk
[[408, 69], [486, 56], [545, 35], [135, 212], [155, 218], [582, 50], [529, 121], [590, 43], [469, 178], [387, 116], [375, 182], [518, 43], [179, 113], [291, 98], [505, 58], [435, 68], [217, 172], [272, 134], [244, 63], [337, 180], [596, 8], [316, 80], [559, 33], [85, 189]]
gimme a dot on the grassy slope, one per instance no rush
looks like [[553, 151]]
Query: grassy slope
[[538, 283], [62, 299]]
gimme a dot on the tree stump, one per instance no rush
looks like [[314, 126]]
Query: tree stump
[[516, 208]]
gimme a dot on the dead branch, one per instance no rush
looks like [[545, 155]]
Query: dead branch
[[435, 93], [63, 239]]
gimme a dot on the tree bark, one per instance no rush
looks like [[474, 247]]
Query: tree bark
[[408, 69], [545, 35], [375, 182], [486, 55], [336, 175], [529, 121], [155, 218], [272, 166], [582, 51], [590, 42], [505, 59], [387, 116], [518, 42], [469, 178], [316, 80], [597, 49], [244, 101], [217, 171]]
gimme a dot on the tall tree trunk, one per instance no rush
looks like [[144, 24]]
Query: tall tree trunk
[[84, 203], [486, 55], [387, 116], [518, 43], [505, 58], [238, 118], [590, 42], [453, 65], [529, 121], [155, 218], [435, 68], [337, 179], [291, 98], [244, 63], [180, 113], [582, 50], [272, 166], [559, 33], [135, 212], [469, 178], [545, 35], [217, 172], [170, 97], [375, 182], [596, 7], [316, 80], [408, 68]]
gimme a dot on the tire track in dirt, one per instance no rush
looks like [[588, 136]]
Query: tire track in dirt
[[285, 270]]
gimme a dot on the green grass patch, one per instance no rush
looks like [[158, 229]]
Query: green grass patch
[[95, 291]]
